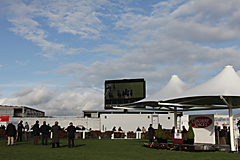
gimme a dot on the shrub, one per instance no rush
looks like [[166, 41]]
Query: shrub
[[190, 134], [159, 131]]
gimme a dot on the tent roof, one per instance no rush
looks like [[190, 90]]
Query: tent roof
[[211, 94], [173, 88], [226, 84]]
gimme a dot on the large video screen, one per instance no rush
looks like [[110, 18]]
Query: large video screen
[[123, 91]]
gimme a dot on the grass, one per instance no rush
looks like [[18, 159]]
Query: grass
[[101, 150]]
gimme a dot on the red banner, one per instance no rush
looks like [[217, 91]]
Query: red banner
[[4, 118]]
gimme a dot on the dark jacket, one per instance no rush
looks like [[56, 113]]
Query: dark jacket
[[11, 130], [44, 129], [20, 127], [71, 131], [151, 132], [36, 129], [56, 132]]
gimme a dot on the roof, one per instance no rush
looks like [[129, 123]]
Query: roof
[[226, 84], [215, 93]]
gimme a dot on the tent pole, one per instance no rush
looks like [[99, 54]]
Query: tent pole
[[231, 126], [231, 130], [175, 118], [229, 104]]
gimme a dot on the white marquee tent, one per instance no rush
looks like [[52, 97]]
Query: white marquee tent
[[220, 92]]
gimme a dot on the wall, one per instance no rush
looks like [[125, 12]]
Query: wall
[[93, 123], [130, 122]]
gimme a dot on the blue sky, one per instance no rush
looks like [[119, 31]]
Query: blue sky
[[56, 55]]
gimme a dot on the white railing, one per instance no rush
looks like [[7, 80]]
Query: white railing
[[124, 135]]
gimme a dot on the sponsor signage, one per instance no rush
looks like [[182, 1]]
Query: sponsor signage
[[201, 122], [178, 135], [4, 118], [203, 128]]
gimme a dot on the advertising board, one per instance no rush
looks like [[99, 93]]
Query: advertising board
[[4, 118], [203, 127]]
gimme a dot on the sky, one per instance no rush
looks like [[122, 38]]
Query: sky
[[56, 54]]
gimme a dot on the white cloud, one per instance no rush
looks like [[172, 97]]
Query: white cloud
[[22, 63], [69, 102], [172, 38]]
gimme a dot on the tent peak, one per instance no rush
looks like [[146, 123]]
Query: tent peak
[[174, 75], [228, 66]]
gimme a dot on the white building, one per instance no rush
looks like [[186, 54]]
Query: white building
[[103, 120]]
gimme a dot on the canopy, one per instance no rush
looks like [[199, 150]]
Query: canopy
[[220, 92], [210, 95], [174, 87]]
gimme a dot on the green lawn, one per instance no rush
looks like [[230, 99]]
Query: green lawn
[[101, 149]]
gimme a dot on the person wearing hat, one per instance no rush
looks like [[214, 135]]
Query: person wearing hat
[[71, 134], [20, 131], [11, 133], [56, 133]]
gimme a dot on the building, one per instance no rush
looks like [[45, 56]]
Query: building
[[103, 120], [20, 111], [129, 120]]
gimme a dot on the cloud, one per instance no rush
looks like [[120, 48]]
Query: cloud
[[77, 18], [38, 95], [74, 18], [53, 102], [22, 63], [193, 39]]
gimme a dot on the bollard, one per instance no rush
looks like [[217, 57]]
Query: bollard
[[84, 134]]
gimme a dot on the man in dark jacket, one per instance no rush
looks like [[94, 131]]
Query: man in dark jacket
[[55, 137], [35, 133], [151, 134], [11, 133], [44, 129], [71, 134], [20, 131]]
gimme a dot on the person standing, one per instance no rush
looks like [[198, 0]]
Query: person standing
[[138, 129], [44, 129], [151, 134], [20, 131], [56, 133], [35, 132], [71, 134], [143, 130], [11, 133], [26, 129]]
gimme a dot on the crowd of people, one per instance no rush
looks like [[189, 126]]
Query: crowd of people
[[120, 129], [124, 93], [44, 131], [222, 136]]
